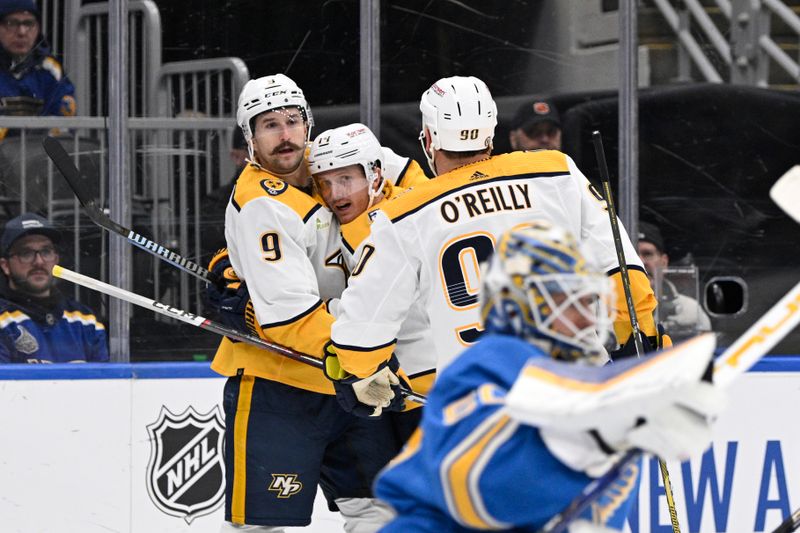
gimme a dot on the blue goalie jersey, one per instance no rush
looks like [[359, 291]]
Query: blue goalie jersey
[[470, 466]]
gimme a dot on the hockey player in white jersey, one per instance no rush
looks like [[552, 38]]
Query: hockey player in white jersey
[[428, 242], [519, 424], [285, 432], [347, 164]]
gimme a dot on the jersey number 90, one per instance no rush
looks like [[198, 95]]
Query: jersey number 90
[[461, 277]]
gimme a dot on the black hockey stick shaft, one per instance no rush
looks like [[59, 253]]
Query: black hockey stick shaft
[[63, 162], [199, 321], [612, 216], [626, 287], [792, 523]]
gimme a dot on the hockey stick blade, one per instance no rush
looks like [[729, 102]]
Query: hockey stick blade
[[786, 193], [63, 162], [199, 321]]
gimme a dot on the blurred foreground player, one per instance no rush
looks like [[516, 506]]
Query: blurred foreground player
[[520, 423]]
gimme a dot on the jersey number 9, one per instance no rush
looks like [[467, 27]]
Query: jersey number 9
[[461, 277], [270, 247]]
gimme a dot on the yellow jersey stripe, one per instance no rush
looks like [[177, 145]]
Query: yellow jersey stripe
[[421, 383], [516, 165], [83, 318], [254, 183], [364, 362], [11, 317], [461, 470], [239, 494]]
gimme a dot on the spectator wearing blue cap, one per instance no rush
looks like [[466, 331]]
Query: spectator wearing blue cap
[[32, 82], [38, 324]]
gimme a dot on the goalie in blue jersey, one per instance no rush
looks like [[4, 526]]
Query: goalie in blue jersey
[[520, 423]]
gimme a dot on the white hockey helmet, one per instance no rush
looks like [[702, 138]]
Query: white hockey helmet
[[354, 144], [538, 286], [266, 94], [460, 115]]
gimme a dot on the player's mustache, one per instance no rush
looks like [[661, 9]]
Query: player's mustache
[[285, 145]]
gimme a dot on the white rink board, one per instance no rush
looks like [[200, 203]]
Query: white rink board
[[755, 472], [74, 454]]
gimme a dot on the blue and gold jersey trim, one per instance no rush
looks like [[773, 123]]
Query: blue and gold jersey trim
[[462, 468]]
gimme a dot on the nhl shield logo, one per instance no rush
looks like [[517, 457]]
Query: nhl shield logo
[[186, 470]]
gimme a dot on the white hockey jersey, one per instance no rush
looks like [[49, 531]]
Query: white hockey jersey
[[415, 349], [286, 245], [427, 244]]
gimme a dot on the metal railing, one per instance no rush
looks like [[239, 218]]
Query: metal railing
[[750, 48], [86, 61], [189, 156]]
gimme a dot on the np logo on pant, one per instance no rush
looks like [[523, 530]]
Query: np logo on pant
[[186, 470], [285, 485]]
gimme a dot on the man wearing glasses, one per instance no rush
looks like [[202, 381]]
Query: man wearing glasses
[[38, 324], [32, 82]]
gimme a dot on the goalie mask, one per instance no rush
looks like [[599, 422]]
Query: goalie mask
[[269, 93], [537, 286], [343, 147], [459, 115]]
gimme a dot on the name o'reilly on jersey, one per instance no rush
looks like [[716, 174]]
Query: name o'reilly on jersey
[[486, 200]]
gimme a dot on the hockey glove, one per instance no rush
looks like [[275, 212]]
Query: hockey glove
[[230, 303], [659, 341], [369, 396], [683, 429]]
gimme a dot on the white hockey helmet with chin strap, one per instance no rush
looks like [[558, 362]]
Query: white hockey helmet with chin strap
[[354, 144], [269, 93], [459, 115]]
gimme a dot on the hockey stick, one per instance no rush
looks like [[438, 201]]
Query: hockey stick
[[199, 321], [790, 524], [786, 192], [61, 159], [626, 287], [751, 346]]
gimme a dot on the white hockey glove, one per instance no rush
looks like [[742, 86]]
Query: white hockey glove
[[376, 389], [681, 430], [367, 396]]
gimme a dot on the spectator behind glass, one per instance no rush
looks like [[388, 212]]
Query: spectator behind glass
[[38, 324], [682, 316], [32, 81], [213, 206], [536, 126]]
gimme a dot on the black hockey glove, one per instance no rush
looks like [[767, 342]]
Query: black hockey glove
[[230, 303], [657, 342], [370, 396]]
